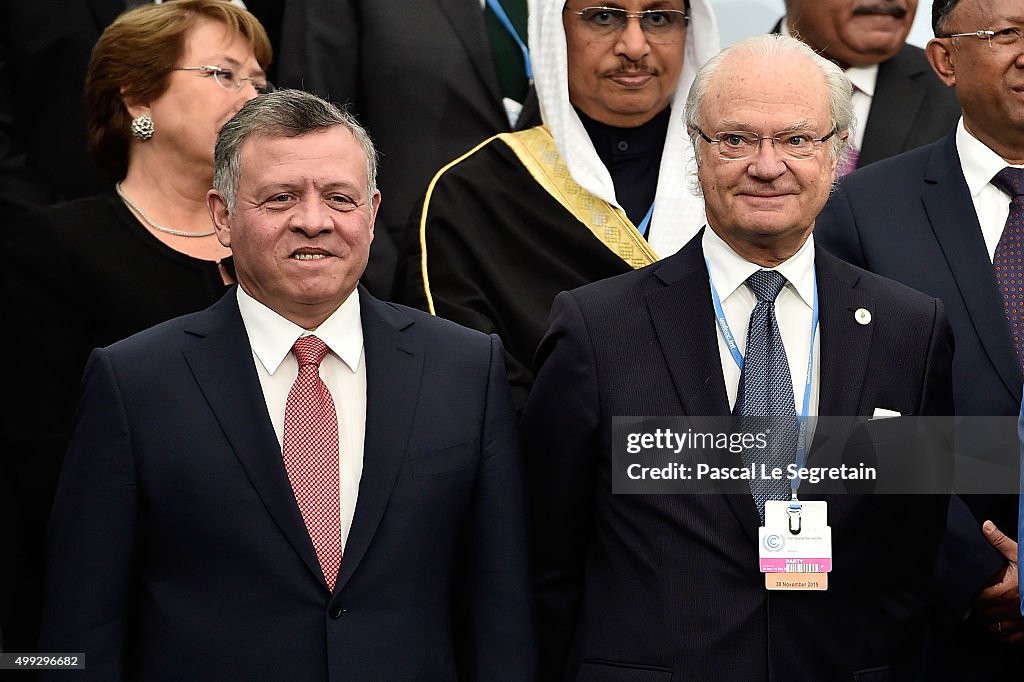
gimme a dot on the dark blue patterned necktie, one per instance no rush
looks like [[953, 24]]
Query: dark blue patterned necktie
[[1008, 260], [766, 390]]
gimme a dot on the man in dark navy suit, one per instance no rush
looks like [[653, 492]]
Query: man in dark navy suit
[[934, 218], [204, 529]]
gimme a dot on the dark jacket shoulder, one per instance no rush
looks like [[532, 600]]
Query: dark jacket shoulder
[[902, 168]]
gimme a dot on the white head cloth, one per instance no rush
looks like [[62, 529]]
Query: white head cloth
[[678, 214]]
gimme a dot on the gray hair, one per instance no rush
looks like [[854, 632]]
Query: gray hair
[[282, 113], [840, 93]]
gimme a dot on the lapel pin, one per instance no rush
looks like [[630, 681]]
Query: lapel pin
[[863, 316]]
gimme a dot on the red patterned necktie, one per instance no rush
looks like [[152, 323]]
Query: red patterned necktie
[[311, 455], [1009, 256]]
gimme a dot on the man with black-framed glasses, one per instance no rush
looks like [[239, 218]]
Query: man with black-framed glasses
[[600, 188], [946, 220]]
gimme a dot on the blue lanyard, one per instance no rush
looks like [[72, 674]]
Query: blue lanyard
[[499, 12], [802, 416], [642, 227]]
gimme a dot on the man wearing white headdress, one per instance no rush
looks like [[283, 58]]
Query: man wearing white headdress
[[600, 188]]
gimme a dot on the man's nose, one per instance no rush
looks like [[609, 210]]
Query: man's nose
[[312, 216], [632, 42], [767, 162]]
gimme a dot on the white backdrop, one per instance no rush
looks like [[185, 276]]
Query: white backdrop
[[739, 19]]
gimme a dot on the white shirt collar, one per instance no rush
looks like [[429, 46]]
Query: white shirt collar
[[729, 270], [272, 336], [864, 78], [979, 163]]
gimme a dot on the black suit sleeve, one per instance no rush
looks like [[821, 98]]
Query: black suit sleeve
[[936, 400], [560, 431], [966, 561], [937, 396], [91, 539], [503, 619]]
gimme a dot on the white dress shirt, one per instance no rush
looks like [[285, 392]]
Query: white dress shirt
[[980, 164], [793, 311], [272, 337], [864, 79]]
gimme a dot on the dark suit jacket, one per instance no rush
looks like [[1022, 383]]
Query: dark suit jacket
[[910, 107], [659, 587], [44, 53], [177, 551], [911, 218], [421, 79]]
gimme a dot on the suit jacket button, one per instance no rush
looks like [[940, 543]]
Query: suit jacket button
[[336, 611]]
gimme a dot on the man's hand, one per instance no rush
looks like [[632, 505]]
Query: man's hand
[[997, 606]]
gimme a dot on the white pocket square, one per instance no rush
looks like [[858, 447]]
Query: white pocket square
[[882, 413]]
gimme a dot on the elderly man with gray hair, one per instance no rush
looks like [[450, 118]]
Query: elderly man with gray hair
[[750, 319]]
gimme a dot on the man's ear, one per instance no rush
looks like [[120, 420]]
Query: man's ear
[[373, 213], [940, 53], [218, 208], [847, 142]]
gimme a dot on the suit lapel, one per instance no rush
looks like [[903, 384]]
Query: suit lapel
[[394, 364], [955, 223], [467, 18], [223, 368], [898, 90], [684, 322], [845, 343]]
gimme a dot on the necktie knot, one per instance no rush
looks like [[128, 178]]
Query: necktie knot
[[766, 284], [309, 350], [1011, 181]]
